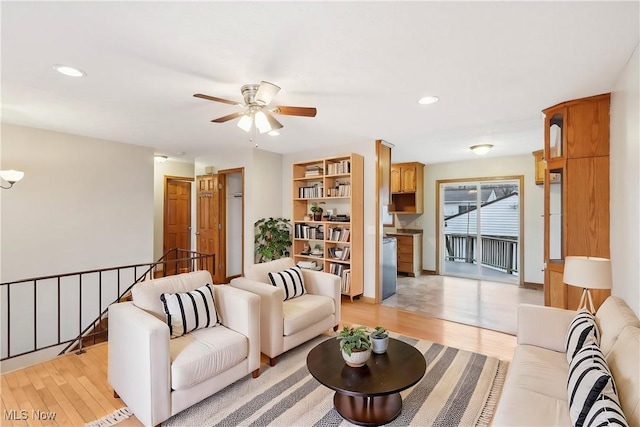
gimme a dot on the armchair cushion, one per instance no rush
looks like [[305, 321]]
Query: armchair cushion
[[290, 280], [203, 354], [305, 311], [187, 311]]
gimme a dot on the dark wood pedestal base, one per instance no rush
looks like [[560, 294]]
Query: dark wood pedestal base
[[368, 411]]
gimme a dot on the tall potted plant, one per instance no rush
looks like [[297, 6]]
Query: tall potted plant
[[355, 345], [272, 238]]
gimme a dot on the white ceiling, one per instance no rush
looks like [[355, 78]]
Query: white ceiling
[[495, 66]]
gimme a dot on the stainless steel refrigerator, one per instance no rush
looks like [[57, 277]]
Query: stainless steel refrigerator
[[389, 266]]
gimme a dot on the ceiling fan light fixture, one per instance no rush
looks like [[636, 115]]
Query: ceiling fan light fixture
[[266, 92], [428, 100], [69, 71], [245, 122], [481, 149], [262, 123], [274, 133]]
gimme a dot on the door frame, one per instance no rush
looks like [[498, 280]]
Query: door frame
[[520, 179], [167, 179], [223, 216]]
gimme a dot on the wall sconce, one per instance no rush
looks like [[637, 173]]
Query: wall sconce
[[11, 176], [481, 149]]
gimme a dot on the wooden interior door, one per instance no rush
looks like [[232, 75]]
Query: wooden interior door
[[177, 222], [210, 214]]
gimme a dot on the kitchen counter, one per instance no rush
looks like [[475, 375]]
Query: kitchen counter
[[409, 251], [404, 232]]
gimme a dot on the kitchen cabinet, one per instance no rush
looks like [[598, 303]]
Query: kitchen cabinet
[[409, 253], [407, 188]]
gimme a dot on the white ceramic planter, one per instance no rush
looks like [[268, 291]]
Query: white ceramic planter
[[379, 345], [357, 358]]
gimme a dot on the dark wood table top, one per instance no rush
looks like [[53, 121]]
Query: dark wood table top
[[398, 369]]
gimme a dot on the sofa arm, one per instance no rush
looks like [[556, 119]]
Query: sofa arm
[[322, 283], [139, 362], [271, 313], [240, 311], [543, 326]]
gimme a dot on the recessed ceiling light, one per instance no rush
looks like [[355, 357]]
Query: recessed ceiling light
[[69, 71], [428, 100], [274, 133]]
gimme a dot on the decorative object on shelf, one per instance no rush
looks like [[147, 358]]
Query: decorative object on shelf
[[587, 273], [306, 249], [317, 211], [272, 238], [11, 176], [317, 250], [379, 340], [355, 345]]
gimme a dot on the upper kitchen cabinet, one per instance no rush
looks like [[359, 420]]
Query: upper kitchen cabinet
[[407, 188]]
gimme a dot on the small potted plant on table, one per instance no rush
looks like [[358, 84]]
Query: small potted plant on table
[[355, 345], [379, 340], [317, 211]]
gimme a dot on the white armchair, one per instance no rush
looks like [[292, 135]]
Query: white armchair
[[156, 376], [287, 324]]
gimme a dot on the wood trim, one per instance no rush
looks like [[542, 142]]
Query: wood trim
[[225, 172], [380, 146], [429, 272]]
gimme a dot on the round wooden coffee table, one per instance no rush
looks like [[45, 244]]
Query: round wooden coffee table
[[369, 395]]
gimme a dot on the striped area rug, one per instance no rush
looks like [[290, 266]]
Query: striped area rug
[[459, 388]]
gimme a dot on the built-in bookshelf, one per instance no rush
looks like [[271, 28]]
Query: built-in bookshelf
[[335, 243]]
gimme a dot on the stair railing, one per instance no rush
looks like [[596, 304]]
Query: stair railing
[[58, 299]]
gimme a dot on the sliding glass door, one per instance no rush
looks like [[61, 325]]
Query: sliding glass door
[[480, 229]]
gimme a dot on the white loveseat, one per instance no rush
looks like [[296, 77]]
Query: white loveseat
[[156, 376], [287, 324], [535, 389]]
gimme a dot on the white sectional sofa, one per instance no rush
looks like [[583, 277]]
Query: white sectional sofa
[[156, 376], [535, 389]]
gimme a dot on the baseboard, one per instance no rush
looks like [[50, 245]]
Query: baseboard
[[428, 272], [532, 285]]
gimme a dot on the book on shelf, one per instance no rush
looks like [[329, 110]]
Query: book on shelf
[[311, 192], [341, 167], [313, 171], [345, 281], [311, 232], [338, 234]]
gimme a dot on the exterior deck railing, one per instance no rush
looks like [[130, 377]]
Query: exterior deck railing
[[49, 311], [500, 253]]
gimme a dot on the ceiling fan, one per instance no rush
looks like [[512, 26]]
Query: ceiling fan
[[258, 112]]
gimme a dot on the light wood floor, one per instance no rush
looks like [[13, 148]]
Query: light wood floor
[[75, 388]]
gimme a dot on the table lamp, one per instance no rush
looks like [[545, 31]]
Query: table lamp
[[587, 273]]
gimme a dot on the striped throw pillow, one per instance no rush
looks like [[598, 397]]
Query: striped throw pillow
[[606, 411], [589, 376], [290, 280], [187, 311], [582, 331]]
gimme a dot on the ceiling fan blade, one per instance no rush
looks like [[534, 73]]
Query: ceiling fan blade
[[275, 124], [228, 117], [213, 98], [266, 92], [295, 111]]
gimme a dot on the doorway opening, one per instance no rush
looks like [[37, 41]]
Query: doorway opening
[[480, 229]]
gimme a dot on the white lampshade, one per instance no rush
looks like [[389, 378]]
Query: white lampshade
[[262, 123], [587, 272], [245, 122], [11, 175]]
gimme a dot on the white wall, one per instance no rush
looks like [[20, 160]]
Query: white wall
[[84, 203], [503, 166], [169, 168], [624, 179], [367, 150]]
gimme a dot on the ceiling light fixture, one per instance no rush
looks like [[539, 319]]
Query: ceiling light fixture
[[274, 133], [428, 100], [69, 71], [160, 158], [481, 149], [11, 176]]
